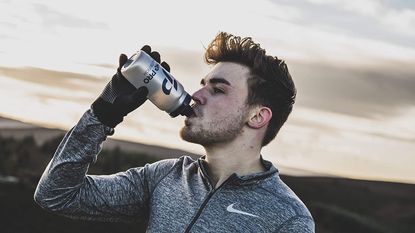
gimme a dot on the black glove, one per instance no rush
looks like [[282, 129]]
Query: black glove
[[120, 97]]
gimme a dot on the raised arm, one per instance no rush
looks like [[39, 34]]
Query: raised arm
[[65, 187]]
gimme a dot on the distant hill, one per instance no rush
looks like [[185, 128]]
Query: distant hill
[[10, 128]]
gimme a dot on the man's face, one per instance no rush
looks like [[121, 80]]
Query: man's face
[[220, 109]]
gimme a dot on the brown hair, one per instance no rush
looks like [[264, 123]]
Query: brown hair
[[270, 83]]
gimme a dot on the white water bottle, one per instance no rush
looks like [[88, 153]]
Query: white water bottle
[[164, 91]]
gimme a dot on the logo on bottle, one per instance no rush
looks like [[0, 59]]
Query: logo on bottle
[[150, 75], [170, 80]]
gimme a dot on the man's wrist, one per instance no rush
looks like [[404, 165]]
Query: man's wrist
[[109, 130], [106, 113]]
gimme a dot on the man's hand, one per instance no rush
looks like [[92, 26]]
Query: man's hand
[[120, 97]]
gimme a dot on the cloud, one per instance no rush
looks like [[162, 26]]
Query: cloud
[[4, 37], [52, 18], [104, 65], [8, 24], [53, 78], [376, 93], [392, 137], [64, 97], [370, 20], [398, 19]]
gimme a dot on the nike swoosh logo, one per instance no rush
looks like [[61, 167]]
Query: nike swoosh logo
[[233, 210]]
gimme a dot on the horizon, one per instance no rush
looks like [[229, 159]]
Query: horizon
[[352, 63], [14, 124]]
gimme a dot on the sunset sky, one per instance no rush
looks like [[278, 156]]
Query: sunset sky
[[353, 63]]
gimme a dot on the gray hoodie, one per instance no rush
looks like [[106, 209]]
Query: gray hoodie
[[173, 195]]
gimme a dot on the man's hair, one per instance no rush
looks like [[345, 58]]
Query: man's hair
[[270, 83]]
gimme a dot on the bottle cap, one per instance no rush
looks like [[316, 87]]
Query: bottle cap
[[185, 109]]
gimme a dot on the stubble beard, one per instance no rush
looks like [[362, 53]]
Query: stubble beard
[[215, 131]]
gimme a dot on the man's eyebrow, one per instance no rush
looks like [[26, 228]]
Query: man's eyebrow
[[216, 80]]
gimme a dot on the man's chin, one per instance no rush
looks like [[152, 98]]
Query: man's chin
[[189, 136], [185, 134]]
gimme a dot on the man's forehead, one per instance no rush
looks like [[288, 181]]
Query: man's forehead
[[229, 73]]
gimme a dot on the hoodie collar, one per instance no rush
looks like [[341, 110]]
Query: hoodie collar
[[252, 178]]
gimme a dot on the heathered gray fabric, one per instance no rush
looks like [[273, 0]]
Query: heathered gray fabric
[[173, 195]]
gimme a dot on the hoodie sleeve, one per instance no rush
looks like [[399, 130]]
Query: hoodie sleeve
[[298, 224], [66, 189]]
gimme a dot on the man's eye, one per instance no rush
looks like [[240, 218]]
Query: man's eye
[[217, 90]]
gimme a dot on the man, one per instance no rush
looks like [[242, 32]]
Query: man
[[243, 102]]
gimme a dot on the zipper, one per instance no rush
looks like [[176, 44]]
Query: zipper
[[202, 207]]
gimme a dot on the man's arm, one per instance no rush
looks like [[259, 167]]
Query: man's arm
[[64, 187]]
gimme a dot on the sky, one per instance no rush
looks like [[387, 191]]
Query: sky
[[353, 63]]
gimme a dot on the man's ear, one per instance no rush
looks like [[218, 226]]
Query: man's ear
[[260, 117]]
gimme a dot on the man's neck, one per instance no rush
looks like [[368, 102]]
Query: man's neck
[[224, 160]]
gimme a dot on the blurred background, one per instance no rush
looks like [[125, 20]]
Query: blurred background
[[347, 149]]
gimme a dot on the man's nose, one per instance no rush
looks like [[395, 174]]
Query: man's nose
[[198, 97]]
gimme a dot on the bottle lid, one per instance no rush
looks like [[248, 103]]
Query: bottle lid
[[185, 109]]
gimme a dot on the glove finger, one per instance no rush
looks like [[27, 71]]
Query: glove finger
[[165, 66], [122, 60], [155, 55], [129, 102], [146, 48], [141, 92], [139, 97]]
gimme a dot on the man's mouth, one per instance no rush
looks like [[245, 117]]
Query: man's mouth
[[195, 113], [188, 119]]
